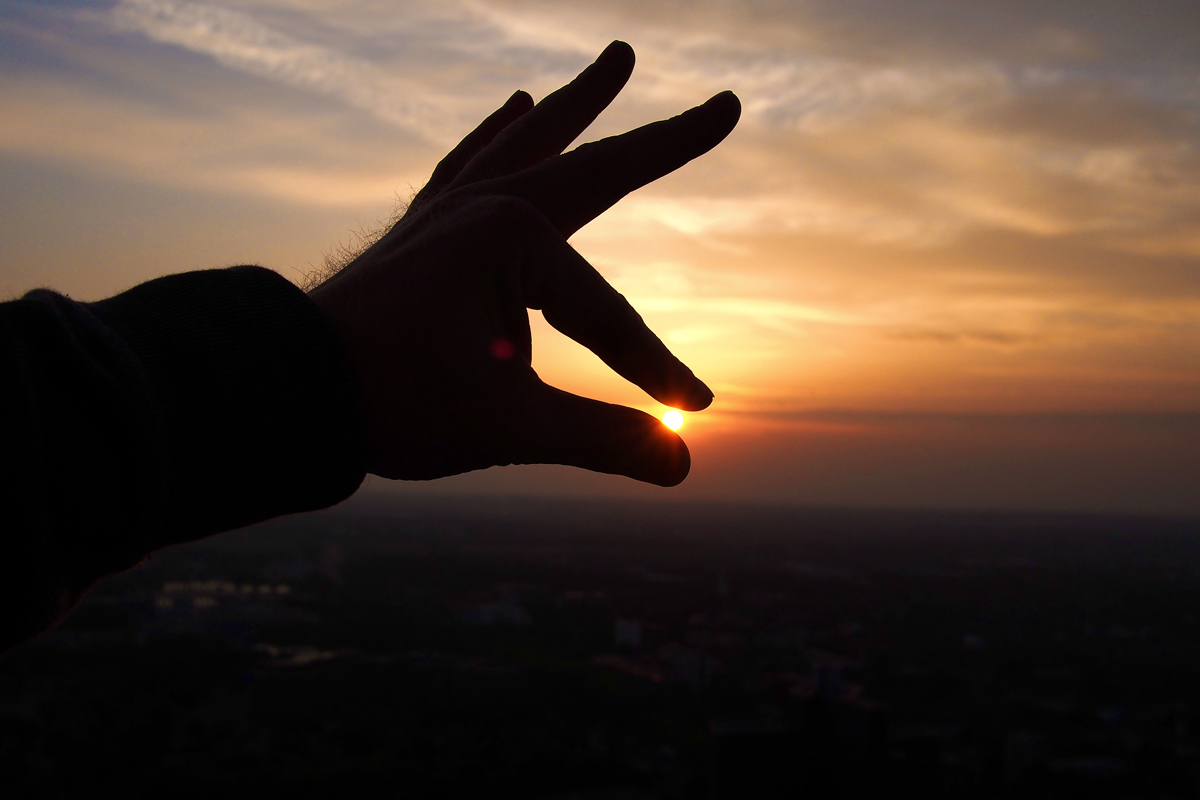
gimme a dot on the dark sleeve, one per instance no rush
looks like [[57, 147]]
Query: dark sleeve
[[188, 405]]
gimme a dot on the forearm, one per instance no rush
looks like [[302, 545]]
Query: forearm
[[187, 406]]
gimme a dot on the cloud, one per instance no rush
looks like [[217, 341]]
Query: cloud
[[904, 147], [238, 41], [873, 418], [53, 123], [800, 211]]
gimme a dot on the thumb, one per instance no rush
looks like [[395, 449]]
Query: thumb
[[564, 428]]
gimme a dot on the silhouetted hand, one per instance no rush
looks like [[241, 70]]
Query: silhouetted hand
[[433, 316]]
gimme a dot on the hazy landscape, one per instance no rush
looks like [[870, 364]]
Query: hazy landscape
[[628, 650]]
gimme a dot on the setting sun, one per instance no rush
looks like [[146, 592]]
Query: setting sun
[[673, 419]]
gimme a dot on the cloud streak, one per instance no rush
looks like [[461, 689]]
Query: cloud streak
[[238, 41]]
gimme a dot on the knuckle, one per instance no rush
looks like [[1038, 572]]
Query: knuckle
[[509, 213], [490, 212]]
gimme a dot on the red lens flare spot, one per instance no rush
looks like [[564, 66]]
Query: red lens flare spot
[[502, 349]]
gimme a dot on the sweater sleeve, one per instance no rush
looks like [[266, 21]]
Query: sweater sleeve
[[188, 405]]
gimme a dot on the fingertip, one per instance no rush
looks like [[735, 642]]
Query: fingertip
[[520, 99], [567, 429], [690, 396], [648, 450], [617, 52], [727, 97], [727, 105], [700, 398], [672, 461]]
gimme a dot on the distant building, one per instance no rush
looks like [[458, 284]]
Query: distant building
[[643, 667], [758, 759], [628, 633], [191, 597], [689, 665], [288, 569], [503, 613], [221, 608]]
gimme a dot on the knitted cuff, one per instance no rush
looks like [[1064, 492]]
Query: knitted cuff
[[253, 396]]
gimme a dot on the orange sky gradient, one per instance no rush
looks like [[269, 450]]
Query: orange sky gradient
[[950, 257]]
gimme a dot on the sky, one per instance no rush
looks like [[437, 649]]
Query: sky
[[949, 258]]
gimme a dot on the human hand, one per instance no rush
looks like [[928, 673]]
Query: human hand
[[433, 315]]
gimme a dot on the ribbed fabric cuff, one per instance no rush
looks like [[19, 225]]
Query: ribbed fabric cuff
[[254, 397]]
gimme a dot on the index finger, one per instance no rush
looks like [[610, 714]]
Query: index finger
[[575, 188], [453, 164], [556, 121], [576, 300]]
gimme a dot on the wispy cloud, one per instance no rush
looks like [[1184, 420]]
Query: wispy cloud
[[240, 42], [908, 148]]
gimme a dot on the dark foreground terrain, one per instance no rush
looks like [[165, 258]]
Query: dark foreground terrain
[[608, 650]]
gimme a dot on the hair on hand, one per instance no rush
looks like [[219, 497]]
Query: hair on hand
[[340, 255]]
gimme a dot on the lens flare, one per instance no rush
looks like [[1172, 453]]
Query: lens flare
[[673, 419]]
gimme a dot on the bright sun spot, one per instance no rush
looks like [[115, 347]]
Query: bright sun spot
[[673, 419]]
